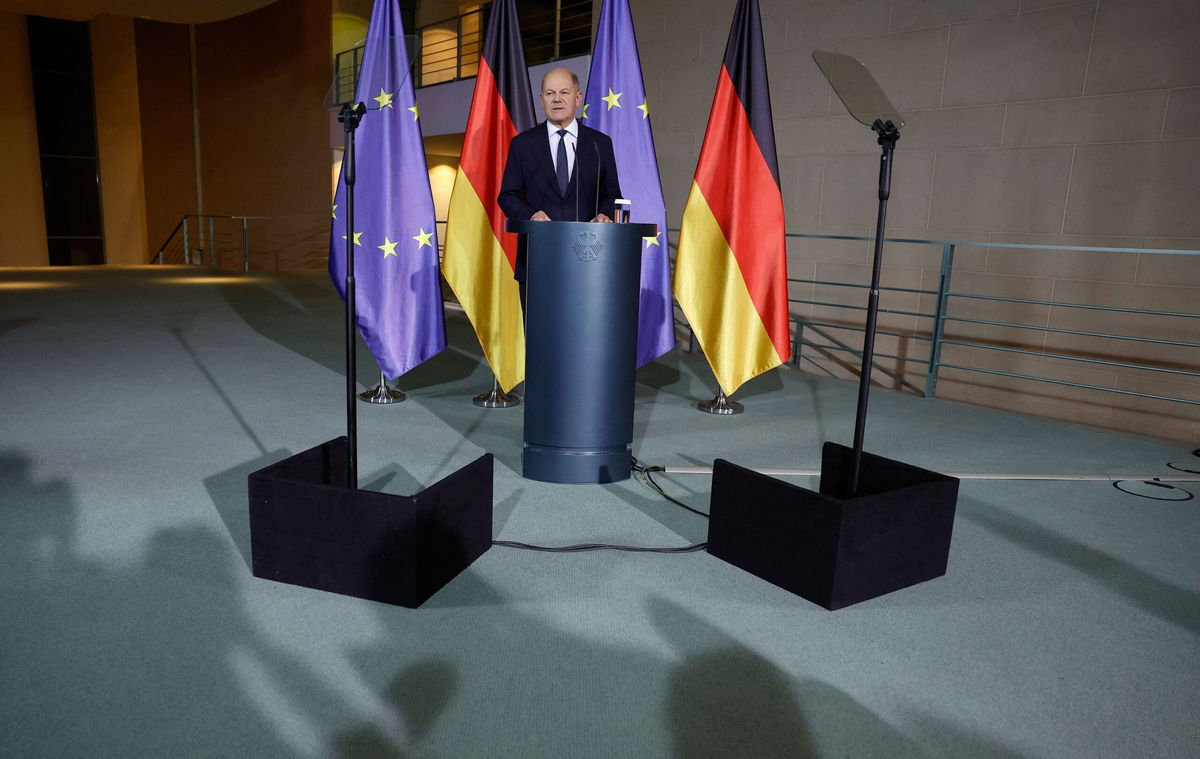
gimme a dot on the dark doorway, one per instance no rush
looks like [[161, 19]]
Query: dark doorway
[[60, 54]]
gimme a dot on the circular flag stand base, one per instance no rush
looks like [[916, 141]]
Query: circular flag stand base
[[721, 405], [496, 398], [382, 393]]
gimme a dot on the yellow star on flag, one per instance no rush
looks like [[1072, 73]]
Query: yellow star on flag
[[335, 210], [585, 107], [644, 108], [357, 238], [648, 241], [388, 247], [415, 113], [384, 99], [423, 238], [613, 99]]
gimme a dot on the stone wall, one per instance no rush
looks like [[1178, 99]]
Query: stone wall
[[1028, 121]]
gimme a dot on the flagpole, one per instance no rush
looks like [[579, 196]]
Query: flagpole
[[350, 115], [501, 106]]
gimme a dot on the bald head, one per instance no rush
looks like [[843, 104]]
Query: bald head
[[560, 96], [559, 72]]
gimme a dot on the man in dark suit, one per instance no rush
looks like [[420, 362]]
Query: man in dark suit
[[559, 170]]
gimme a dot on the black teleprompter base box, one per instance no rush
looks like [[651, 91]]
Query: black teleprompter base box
[[832, 550], [307, 528]]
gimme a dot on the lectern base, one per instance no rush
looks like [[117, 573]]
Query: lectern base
[[576, 466]]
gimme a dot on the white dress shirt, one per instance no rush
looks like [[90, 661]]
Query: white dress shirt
[[572, 138]]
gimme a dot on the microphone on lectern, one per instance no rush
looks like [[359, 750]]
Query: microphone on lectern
[[575, 155], [596, 150]]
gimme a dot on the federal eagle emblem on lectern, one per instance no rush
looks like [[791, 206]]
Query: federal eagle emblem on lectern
[[587, 246]]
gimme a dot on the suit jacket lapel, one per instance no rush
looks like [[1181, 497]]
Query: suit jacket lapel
[[545, 165]]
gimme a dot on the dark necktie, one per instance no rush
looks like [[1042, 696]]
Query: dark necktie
[[560, 161]]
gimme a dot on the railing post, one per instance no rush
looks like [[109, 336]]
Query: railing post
[[245, 244], [201, 243], [797, 343], [458, 49], [212, 245], [187, 247], [557, 27], [418, 62], [939, 319]]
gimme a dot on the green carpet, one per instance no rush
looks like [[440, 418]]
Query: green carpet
[[135, 401]]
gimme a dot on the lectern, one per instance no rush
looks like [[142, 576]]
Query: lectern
[[581, 326]]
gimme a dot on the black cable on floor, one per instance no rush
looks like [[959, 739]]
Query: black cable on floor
[[1170, 465], [598, 547], [644, 477], [1118, 484], [1191, 467]]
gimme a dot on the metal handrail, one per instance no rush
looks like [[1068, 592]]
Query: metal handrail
[[945, 296], [842, 346], [568, 24], [556, 32], [1058, 304], [945, 293], [863, 287], [843, 325], [204, 227], [202, 230], [167, 242], [1069, 357], [1007, 245], [858, 308], [1081, 332]]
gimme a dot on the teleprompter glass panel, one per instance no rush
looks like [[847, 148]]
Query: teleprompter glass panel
[[857, 88]]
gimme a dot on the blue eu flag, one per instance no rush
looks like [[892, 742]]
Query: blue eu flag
[[616, 105], [398, 290]]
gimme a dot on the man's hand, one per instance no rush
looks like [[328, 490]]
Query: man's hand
[[540, 216], [602, 218]]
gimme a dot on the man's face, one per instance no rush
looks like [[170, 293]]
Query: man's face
[[560, 97]]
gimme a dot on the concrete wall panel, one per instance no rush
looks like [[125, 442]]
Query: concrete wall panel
[[1137, 188], [1144, 45], [1004, 190], [1033, 56]]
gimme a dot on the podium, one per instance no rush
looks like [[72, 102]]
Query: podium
[[583, 282]]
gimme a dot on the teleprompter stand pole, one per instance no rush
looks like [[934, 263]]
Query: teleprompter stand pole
[[889, 133], [350, 116], [311, 525]]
